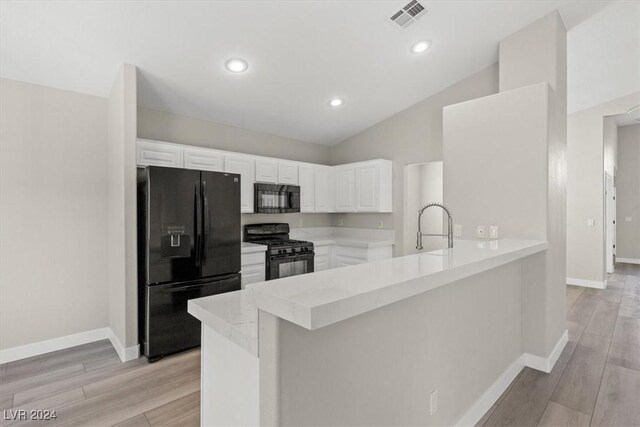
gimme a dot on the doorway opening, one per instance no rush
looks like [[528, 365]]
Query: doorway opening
[[423, 185]]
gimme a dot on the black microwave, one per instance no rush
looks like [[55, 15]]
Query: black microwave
[[275, 198]]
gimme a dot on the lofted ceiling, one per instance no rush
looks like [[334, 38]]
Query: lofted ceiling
[[300, 54]]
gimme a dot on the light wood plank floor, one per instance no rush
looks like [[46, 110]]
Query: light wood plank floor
[[88, 386], [595, 382]]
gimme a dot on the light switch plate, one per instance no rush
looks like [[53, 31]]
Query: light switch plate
[[591, 222], [480, 232], [457, 230], [300, 222], [493, 232], [340, 222], [380, 224], [627, 219]]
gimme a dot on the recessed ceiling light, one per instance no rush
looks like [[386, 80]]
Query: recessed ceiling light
[[420, 46], [336, 102], [236, 65]]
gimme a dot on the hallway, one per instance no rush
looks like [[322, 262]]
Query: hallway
[[596, 381]]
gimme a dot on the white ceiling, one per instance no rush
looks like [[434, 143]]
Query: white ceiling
[[300, 54], [603, 56]]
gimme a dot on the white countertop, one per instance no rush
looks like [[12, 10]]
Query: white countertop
[[322, 298], [232, 314], [248, 248]]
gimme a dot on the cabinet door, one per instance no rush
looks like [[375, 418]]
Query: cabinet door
[[343, 261], [203, 159], [288, 173], [267, 170], [307, 178], [324, 189], [252, 274], [245, 166], [345, 188], [367, 187], [154, 153], [321, 263]]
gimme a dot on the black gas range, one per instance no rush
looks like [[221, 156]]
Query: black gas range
[[284, 256]]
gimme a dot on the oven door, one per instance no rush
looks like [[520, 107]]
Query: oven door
[[290, 265], [272, 198]]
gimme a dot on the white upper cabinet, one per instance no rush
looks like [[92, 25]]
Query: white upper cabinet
[[307, 178], [245, 166], [354, 187], [266, 170], [288, 173], [204, 159], [154, 153], [325, 188], [373, 186], [345, 188]]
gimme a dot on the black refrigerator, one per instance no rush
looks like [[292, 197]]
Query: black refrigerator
[[188, 247]]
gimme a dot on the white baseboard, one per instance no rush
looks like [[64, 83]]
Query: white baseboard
[[54, 344], [546, 364], [628, 260], [124, 353], [491, 395], [586, 283]]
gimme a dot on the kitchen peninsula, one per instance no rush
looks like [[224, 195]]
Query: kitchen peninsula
[[369, 343]]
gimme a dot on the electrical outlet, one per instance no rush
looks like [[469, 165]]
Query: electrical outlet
[[457, 230], [340, 222], [480, 232], [493, 232], [627, 219], [300, 222], [380, 224], [433, 402]]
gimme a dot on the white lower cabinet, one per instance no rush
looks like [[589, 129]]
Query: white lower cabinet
[[341, 255], [253, 268], [322, 258], [245, 166]]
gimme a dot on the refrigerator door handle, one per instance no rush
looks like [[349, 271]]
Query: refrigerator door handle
[[205, 234], [198, 225]]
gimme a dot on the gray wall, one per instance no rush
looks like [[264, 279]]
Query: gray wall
[[53, 212], [505, 165], [585, 188], [411, 136], [379, 368], [122, 226], [628, 193], [163, 126]]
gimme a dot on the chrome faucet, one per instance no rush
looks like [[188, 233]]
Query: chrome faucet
[[449, 228]]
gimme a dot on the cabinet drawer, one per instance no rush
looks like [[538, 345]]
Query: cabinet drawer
[[321, 250], [252, 274], [343, 260], [253, 258]]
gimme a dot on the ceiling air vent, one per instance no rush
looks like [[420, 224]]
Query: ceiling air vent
[[408, 14]]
